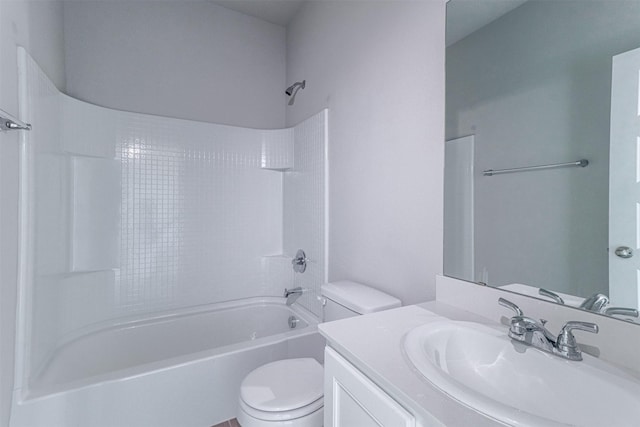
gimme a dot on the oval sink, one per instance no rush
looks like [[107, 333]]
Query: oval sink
[[484, 369]]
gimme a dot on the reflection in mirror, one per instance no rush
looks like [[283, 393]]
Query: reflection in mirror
[[533, 83]]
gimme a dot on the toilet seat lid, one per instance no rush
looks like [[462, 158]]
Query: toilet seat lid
[[283, 385]]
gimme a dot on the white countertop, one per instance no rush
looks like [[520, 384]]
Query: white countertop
[[373, 343]]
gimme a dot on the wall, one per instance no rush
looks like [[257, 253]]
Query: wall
[[379, 69], [37, 26], [138, 56], [534, 88]]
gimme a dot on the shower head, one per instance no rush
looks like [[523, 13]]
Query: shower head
[[291, 88]]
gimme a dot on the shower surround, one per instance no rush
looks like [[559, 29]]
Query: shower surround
[[127, 218]]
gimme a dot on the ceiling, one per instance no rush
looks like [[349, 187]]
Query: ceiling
[[463, 16], [278, 12], [467, 16]]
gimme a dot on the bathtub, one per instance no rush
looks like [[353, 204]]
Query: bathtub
[[179, 369]]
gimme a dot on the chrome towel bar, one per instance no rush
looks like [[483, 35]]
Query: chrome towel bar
[[582, 163], [8, 122]]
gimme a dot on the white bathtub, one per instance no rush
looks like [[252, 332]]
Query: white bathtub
[[181, 369]]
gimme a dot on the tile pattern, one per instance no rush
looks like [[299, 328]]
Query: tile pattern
[[198, 213], [277, 149], [305, 207]]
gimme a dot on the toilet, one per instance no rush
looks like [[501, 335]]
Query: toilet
[[290, 392]]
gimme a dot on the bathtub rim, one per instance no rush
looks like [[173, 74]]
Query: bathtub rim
[[142, 319], [34, 391]]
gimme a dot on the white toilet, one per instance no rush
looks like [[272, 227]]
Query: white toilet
[[290, 392]]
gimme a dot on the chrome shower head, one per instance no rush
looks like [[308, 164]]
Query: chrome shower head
[[293, 89]]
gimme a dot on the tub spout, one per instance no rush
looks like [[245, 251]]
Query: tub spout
[[292, 294]]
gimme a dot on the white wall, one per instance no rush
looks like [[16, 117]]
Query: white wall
[[38, 27], [184, 59], [379, 68], [534, 87]]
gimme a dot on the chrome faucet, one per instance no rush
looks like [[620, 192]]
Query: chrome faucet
[[292, 294], [599, 303], [531, 332], [299, 263], [527, 330], [596, 303]]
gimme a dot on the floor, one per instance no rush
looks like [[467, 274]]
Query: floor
[[230, 423]]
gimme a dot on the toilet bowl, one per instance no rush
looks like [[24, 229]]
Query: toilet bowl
[[289, 392]]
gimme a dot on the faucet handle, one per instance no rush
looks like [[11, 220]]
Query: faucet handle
[[547, 293], [506, 303], [583, 326], [566, 342], [299, 262], [622, 311]]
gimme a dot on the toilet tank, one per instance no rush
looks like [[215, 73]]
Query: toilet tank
[[347, 299]]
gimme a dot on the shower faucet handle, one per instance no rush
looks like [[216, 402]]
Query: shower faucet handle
[[299, 262]]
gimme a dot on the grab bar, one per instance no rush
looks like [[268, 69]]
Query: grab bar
[[8, 122], [582, 163]]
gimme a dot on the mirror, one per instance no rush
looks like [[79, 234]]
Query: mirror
[[529, 83]]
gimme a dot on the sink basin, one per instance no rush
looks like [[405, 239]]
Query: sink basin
[[481, 367]]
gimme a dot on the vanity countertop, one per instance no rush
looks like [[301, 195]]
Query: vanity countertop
[[373, 344]]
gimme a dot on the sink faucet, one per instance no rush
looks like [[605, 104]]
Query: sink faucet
[[599, 303], [527, 330], [596, 303], [532, 332], [292, 294]]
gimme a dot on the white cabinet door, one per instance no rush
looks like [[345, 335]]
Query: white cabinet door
[[351, 399], [624, 180]]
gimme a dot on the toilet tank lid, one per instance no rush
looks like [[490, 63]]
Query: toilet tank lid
[[358, 297]]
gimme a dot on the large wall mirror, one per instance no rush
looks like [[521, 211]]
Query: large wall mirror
[[542, 164]]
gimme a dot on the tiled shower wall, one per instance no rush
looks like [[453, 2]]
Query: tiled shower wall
[[140, 214], [198, 213], [305, 206]]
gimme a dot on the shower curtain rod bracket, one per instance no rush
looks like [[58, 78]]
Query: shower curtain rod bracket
[[8, 122]]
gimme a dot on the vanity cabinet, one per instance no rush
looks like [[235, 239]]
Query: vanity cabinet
[[352, 399]]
